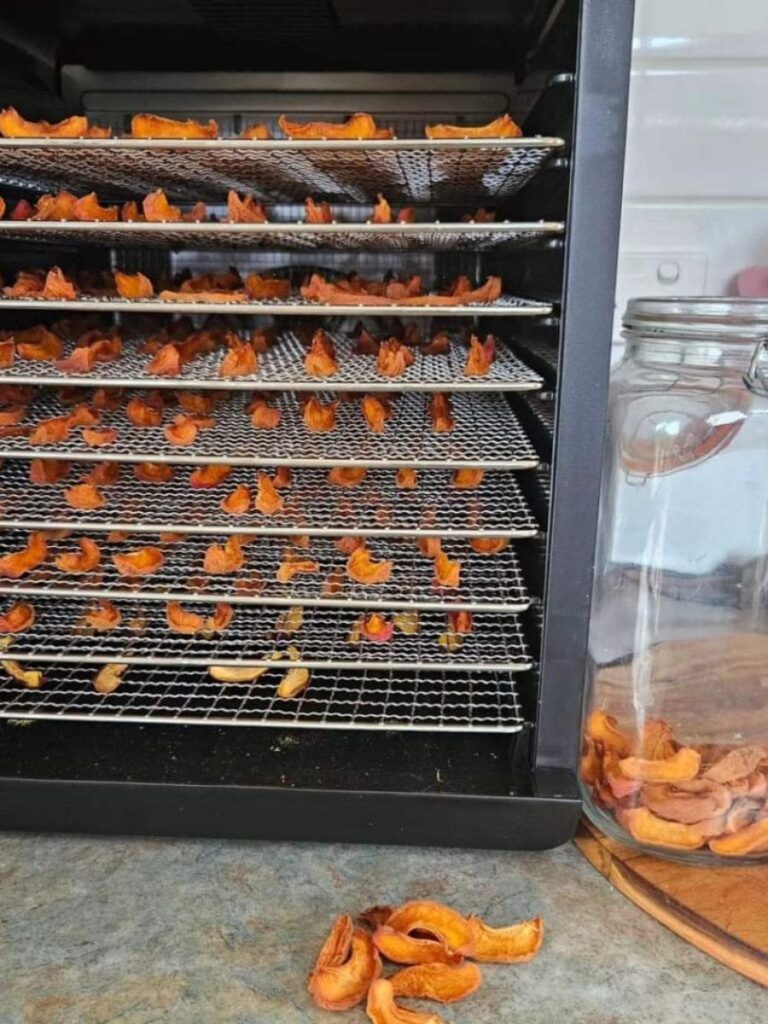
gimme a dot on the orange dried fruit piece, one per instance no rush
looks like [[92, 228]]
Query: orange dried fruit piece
[[14, 126], [98, 438], [182, 432], [88, 208], [103, 617], [19, 617], [682, 766], [447, 572], [58, 286], [259, 288], [255, 131], [357, 126], [381, 1007], [59, 207], [406, 479], [376, 628], [268, 501], [488, 545], [30, 677], [320, 361], [264, 416], [646, 827], [440, 413], [480, 357], [686, 802], [84, 496], [246, 210], [133, 286], [502, 127], [51, 431], [142, 414], [237, 502], [142, 562], [376, 412], [433, 919], [223, 559], [182, 621], [363, 569], [283, 477], [294, 682], [753, 838], [157, 208], [410, 949], [85, 560], [736, 764], [365, 344], [38, 344], [80, 360], [440, 345], [604, 728], [239, 361], [293, 564], [656, 741], [382, 211], [515, 944], [393, 358], [209, 476], [83, 416], [20, 562], [346, 966], [430, 547], [48, 471], [318, 417], [444, 983], [318, 213], [166, 362], [153, 472], [7, 353], [346, 476], [220, 619], [108, 678], [15, 414], [107, 399], [152, 126]]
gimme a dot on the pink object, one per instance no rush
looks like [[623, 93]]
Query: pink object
[[752, 283]]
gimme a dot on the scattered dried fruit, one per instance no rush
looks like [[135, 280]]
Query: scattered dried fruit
[[515, 944], [268, 500], [19, 617], [381, 1007], [363, 569], [223, 559], [445, 983], [20, 562], [346, 476], [84, 496], [346, 966], [237, 502], [31, 678], [85, 560], [109, 678], [142, 562]]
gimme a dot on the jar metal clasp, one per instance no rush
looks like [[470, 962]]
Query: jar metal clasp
[[756, 377]]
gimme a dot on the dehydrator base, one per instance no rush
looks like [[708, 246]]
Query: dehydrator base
[[426, 790]]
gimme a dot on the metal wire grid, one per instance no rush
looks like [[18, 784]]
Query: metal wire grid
[[59, 634], [493, 584], [542, 405], [420, 171], [486, 433], [283, 367], [542, 351], [375, 507], [369, 699], [507, 305], [296, 237]]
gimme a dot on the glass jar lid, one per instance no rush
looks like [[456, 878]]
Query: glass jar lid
[[698, 317]]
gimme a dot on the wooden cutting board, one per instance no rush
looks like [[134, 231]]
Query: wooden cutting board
[[722, 911]]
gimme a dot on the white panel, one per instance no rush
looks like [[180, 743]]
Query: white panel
[[686, 29], [698, 132]]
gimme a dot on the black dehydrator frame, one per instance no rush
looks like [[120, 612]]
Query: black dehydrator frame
[[426, 788]]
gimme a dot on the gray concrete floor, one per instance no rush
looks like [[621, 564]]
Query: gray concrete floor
[[116, 931]]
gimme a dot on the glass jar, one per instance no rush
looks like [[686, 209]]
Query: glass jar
[[675, 741]]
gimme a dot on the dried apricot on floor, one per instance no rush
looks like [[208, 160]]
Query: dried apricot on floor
[[86, 559], [680, 767], [209, 476], [142, 562], [182, 432], [268, 501], [433, 919], [19, 617], [222, 559], [84, 496], [103, 617], [182, 621], [363, 569], [237, 502], [346, 966], [445, 983], [381, 1008], [410, 949], [346, 476], [514, 944], [18, 563], [96, 438], [376, 412]]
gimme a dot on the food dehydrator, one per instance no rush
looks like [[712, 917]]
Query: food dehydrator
[[433, 735]]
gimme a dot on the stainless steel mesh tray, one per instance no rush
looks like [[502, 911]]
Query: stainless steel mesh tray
[[492, 584], [455, 171], [335, 699], [435, 237], [507, 305], [542, 406], [282, 367], [376, 507], [486, 434], [143, 638]]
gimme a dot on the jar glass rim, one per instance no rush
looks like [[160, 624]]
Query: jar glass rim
[[726, 318]]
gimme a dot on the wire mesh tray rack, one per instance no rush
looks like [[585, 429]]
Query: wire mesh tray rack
[[486, 433], [375, 507], [253, 637], [506, 305], [493, 584], [282, 367], [416, 171], [418, 237], [369, 699]]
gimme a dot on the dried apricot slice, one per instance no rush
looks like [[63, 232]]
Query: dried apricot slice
[[751, 839], [237, 502], [86, 559], [293, 564], [209, 476], [182, 621], [103, 617], [294, 682], [393, 358], [406, 479], [502, 127], [440, 413], [246, 210], [603, 728], [736, 764], [222, 559], [686, 802], [142, 414], [30, 677], [157, 208], [142, 562], [153, 126], [96, 438], [435, 919], [320, 361], [410, 949], [514, 944], [19, 562], [646, 827], [182, 432], [264, 416], [153, 472], [84, 496], [445, 983], [268, 501], [363, 569], [381, 1007], [19, 617], [481, 356], [239, 361], [680, 767], [104, 474], [467, 479], [447, 571], [346, 476], [376, 412], [318, 417], [346, 966], [488, 545]]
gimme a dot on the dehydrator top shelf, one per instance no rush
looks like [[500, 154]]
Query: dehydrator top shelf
[[282, 367], [302, 237], [375, 507], [421, 171], [326, 638], [375, 699]]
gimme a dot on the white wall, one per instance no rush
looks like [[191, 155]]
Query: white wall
[[696, 180]]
